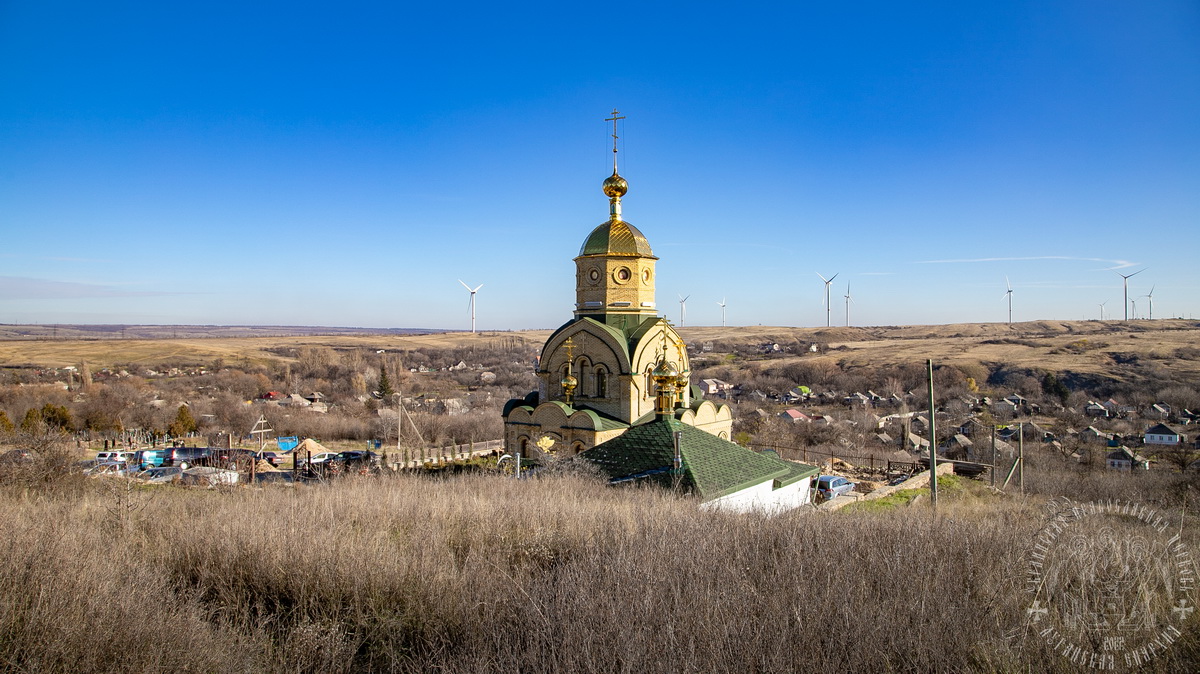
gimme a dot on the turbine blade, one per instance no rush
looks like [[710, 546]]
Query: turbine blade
[[1007, 284], [822, 277], [477, 288], [464, 285], [833, 277]]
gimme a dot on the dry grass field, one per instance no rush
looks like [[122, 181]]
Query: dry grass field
[[482, 573], [1121, 351], [488, 574]]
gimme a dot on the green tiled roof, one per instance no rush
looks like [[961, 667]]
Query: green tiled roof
[[712, 467]]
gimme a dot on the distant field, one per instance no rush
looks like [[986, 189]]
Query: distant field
[[1118, 350]]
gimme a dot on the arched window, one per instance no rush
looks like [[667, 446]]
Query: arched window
[[601, 382], [576, 447], [523, 447]]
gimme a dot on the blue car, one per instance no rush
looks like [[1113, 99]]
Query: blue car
[[829, 486]]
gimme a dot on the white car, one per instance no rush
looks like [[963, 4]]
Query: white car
[[110, 469], [323, 457], [104, 457]]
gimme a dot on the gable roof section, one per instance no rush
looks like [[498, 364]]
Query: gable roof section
[[1161, 429], [712, 467]]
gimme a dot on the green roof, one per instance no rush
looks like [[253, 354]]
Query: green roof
[[711, 467]]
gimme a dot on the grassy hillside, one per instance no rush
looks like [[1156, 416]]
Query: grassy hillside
[[1127, 352]]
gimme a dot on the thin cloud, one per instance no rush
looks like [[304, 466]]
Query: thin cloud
[[1117, 264], [52, 258], [23, 288]]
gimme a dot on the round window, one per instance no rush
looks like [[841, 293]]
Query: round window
[[646, 276], [621, 275], [593, 276]]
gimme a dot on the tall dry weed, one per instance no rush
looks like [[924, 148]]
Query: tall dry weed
[[483, 574]]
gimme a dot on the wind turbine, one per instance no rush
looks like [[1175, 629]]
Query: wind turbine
[[849, 299], [1134, 303], [1126, 278], [722, 305], [827, 282], [1102, 309], [683, 310], [1009, 296], [472, 291], [1150, 296]]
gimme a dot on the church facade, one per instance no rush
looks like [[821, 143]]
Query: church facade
[[596, 371]]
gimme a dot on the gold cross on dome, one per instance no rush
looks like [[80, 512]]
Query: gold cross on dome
[[570, 346], [614, 119]]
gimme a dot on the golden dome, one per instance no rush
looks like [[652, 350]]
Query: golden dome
[[665, 370], [616, 238], [615, 185]]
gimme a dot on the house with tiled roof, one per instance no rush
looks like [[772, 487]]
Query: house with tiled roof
[[1124, 459], [724, 475], [1162, 434]]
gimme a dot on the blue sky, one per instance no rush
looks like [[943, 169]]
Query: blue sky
[[320, 164]]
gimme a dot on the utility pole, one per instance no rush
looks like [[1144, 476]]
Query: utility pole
[[932, 441], [993, 455], [1021, 455]]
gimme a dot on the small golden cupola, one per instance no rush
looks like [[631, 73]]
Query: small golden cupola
[[614, 272]]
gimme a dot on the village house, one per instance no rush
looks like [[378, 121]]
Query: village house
[[1162, 434], [714, 386], [1123, 459]]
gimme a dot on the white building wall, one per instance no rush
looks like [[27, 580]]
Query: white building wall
[[763, 498]]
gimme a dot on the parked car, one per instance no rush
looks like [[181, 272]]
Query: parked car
[[110, 469], [160, 474], [116, 455], [17, 456], [151, 458], [186, 457], [322, 457], [356, 460], [829, 486], [272, 458]]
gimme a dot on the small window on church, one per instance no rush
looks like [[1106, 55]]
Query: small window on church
[[601, 383]]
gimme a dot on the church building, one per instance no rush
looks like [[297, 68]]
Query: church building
[[595, 371], [614, 386]]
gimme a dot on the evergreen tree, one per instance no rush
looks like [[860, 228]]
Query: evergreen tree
[[6, 424], [57, 416], [32, 421], [1052, 386], [184, 423], [385, 386]]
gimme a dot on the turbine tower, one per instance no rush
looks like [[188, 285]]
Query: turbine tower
[[1102, 309], [683, 310], [827, 282], [722, 305], [472, 305], [1126, 280], [1009, 296], [1150, 296], [849, 299]]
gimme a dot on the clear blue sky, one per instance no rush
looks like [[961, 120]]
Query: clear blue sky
[[346, 163]]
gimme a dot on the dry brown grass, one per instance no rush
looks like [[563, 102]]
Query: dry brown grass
[[1085, 347], [482, 574]]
